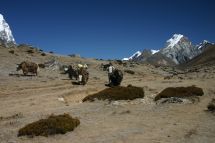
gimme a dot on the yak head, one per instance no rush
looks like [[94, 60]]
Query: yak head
[[18, 67], [66, 69]]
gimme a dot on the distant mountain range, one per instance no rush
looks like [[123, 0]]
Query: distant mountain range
[[177, 50]]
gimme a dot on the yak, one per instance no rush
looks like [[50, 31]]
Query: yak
[[27, 67], [116, 77], [72, 72], [83, 75]]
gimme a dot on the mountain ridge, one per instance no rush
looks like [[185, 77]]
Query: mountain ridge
[[179, 49]]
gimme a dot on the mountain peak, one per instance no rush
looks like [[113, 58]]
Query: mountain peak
[[6, 36], [180, 49], [206, 41], [1, 17], [203, 45], [135, 55], [174, 40]]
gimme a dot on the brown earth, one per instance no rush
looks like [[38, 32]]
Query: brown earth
[[24, 100]]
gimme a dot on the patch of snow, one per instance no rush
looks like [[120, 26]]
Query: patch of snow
[[203, 44], [154, 51], [205, 41], [137, 54], [174, 40], [1, 17], [125, 59], [199, 47]]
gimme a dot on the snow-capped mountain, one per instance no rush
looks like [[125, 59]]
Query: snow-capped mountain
[[179, 49], [141, 56], [203, 45], [6, 36]]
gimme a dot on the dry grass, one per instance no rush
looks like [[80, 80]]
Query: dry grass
[[59, 124], [180, 92], [117, 93]]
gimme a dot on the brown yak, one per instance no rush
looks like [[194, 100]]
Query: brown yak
[[83, 76], [27, 67]]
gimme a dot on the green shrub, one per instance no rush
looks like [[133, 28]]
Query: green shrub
[[180, 92], [55, 124], [117, 93]]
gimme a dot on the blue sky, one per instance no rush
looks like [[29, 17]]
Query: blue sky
[[108, 29]]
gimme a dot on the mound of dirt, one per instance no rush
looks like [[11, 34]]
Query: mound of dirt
[[59, 124], [117, 93], [211, 105], [180, 92]]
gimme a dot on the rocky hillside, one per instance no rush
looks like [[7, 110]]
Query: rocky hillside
[[178, 50], [206, 58]]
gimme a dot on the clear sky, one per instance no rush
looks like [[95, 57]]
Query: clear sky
[[108, 29]]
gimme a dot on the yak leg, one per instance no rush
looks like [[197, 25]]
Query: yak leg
[[80, 78], [25, 73]]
